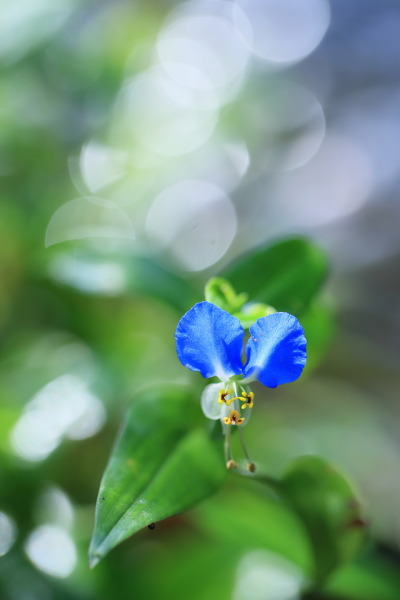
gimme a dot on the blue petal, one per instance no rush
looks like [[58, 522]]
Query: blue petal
[[210, 340], [276, 351]]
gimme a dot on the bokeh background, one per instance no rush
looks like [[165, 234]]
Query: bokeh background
[[143, 146]]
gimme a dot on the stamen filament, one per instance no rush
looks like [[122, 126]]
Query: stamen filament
[[229, 461]]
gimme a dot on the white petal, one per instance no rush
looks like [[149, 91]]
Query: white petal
[[209, 401]]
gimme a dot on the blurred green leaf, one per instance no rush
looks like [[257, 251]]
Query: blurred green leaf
[[206, 567], [368, 579], [147, 276], [330, 510], [286, 275], [249, 517], [139, 274], [319, 328], [159, 467]]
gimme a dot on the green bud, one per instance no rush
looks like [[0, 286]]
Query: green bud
[[251, 312], [220, 292]]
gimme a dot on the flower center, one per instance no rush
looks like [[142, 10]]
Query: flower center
[[234, 418]]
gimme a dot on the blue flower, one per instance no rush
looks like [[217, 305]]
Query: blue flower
[[210, 340]]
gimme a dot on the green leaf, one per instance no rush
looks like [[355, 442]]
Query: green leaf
[[159, 467], [330, 510], [286, 275]]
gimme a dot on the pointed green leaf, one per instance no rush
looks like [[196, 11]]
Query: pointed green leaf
[[158, 467], [330, 510], [286, 275]]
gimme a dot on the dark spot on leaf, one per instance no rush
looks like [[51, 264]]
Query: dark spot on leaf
[[358, 522], [151, 526]]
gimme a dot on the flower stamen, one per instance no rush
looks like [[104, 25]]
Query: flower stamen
[[248, 400], [222, 397], [234, 418]]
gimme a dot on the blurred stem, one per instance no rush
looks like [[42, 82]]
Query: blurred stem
[[272, 483]]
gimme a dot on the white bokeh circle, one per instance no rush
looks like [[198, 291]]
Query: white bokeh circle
[[194, 222]]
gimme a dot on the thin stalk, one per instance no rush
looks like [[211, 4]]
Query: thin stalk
[[227, 445], [243, 444]]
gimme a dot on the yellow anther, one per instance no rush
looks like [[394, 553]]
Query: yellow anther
[[222, 397], [251, 467], [248, 400], [231, 464], [234, 418]]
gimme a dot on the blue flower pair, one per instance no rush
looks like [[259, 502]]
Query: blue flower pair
[[210, 340]]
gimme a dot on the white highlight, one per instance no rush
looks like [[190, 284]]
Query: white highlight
[[286, 31], [223, 163], [195, 221], [205, 48], [288, 123], [149, 111], [91, 276], [101, 166], [334, 184], [52, 550], [263, 575], [55, 507], [7, 533], [63, 408], [25, 23], [88, 217]]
